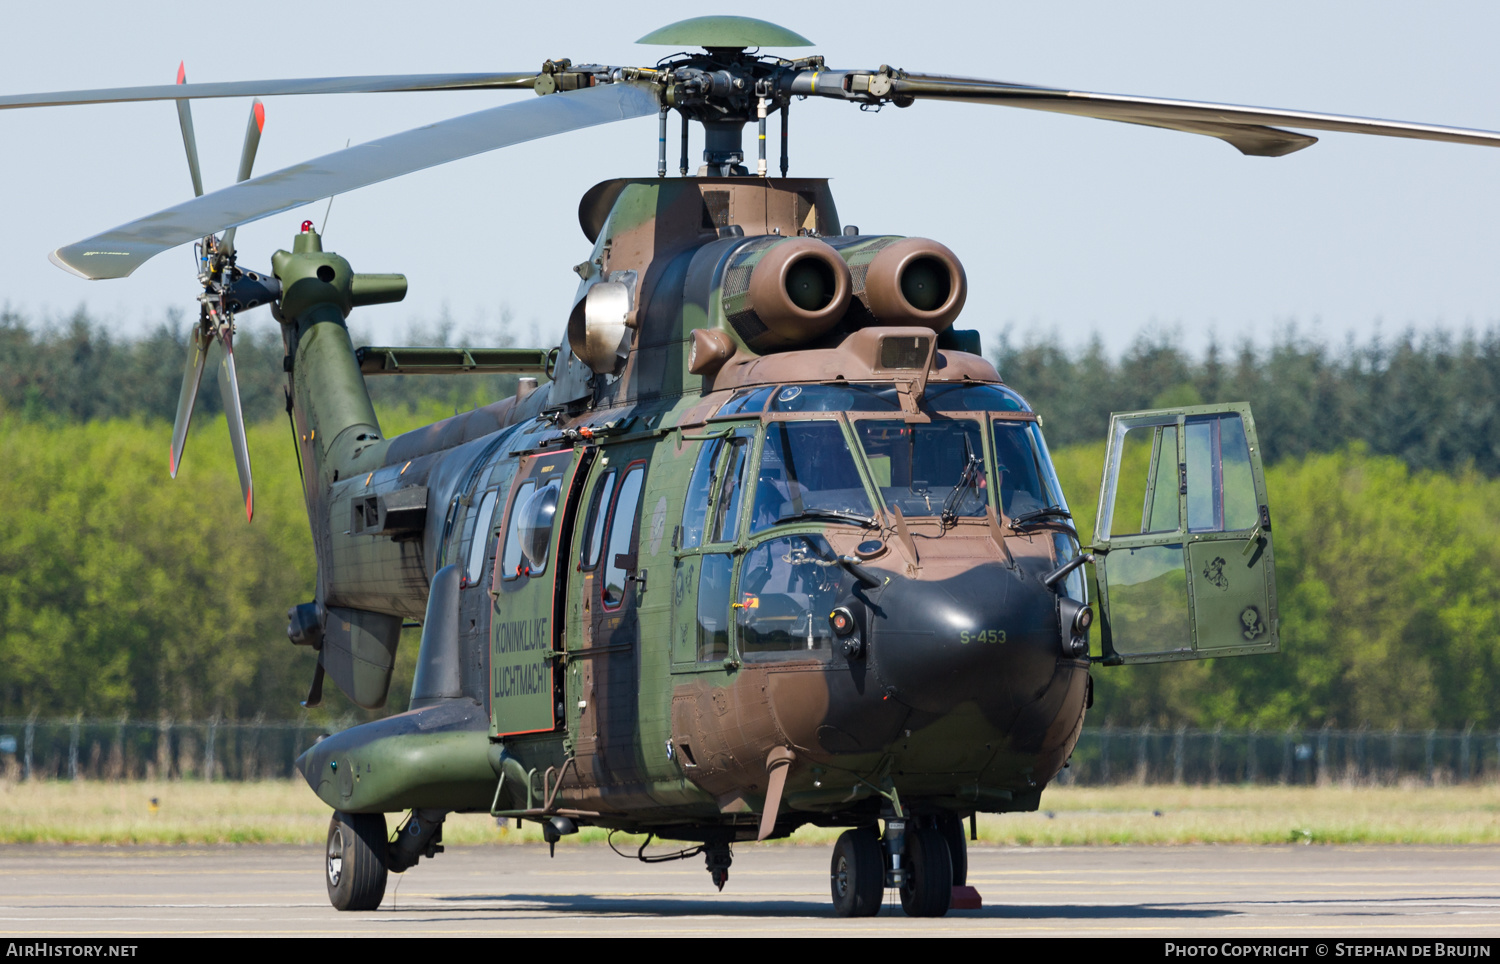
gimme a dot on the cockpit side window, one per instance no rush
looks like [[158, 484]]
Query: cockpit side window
[[1017, 466], [787, 588], [700, 487], [734, 468]]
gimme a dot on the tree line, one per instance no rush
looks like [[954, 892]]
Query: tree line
[[124, 592], [1431, 400], [75, 370]]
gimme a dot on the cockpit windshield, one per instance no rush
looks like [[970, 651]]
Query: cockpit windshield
[[807, 471], [927, 469], [974, 447]]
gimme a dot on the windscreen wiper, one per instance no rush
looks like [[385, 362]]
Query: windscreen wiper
[[966, 480], [1048, 518], [827, 514], [1040, 514]]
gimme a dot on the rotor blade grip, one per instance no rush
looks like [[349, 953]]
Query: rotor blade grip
[[119, 251], [376, 289]]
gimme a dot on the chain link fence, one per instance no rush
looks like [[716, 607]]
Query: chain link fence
[[38, 749], [32, 749], [1151, 755]]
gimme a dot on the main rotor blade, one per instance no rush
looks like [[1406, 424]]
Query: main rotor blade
[[189, 141], [389, 83], [1247, 128], [253, 129], [229, 392], [192, 377], [118, 252]]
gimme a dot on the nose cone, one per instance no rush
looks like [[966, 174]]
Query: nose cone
[[987, 636]]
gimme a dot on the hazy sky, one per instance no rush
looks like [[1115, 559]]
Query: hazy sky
[[1066, 226]]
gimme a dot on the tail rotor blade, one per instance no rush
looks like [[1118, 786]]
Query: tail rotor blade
[[229, 390], [189, 140], [192, 377], [253, 128]]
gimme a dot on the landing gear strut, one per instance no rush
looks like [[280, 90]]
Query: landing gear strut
[[916, 857]]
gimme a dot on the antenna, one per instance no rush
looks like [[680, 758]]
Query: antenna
[[329, 209]]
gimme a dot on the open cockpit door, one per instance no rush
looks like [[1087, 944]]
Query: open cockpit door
[[1182, 540]]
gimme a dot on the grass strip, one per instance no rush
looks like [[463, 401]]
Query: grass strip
[[283, 812]]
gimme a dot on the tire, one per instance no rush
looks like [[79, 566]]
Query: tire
[[951, 826], [858, 873], [927, 885], [355, 867]]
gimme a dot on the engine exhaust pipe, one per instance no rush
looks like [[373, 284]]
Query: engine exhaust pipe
[[915, 281], [795, 291]]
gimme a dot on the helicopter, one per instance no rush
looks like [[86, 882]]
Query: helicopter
[[764, 542]]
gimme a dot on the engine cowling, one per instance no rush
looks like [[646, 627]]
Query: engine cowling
[[782, 292]]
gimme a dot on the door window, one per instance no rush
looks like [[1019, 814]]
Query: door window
[[619, 558], [1183, 541]]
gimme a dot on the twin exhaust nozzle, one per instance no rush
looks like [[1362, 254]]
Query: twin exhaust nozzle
[[783, 292]]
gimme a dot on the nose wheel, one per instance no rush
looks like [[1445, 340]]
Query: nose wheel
[[355, 860], [930, 869]]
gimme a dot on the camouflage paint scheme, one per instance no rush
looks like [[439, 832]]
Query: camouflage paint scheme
[[569, 703]]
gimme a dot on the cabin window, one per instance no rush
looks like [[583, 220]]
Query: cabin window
[[622, 539], [598, 512], [511, 562], [479, 541], [1220, 487], [927, 469], [787, 589], [807, 472]]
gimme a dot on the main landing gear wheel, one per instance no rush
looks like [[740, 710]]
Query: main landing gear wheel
[[951, 826], [355, 865], [927, 885], [858, 873]]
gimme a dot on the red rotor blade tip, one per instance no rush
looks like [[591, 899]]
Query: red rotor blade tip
[[260, 115], [182, 71], [171, 461], [250, 505]]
